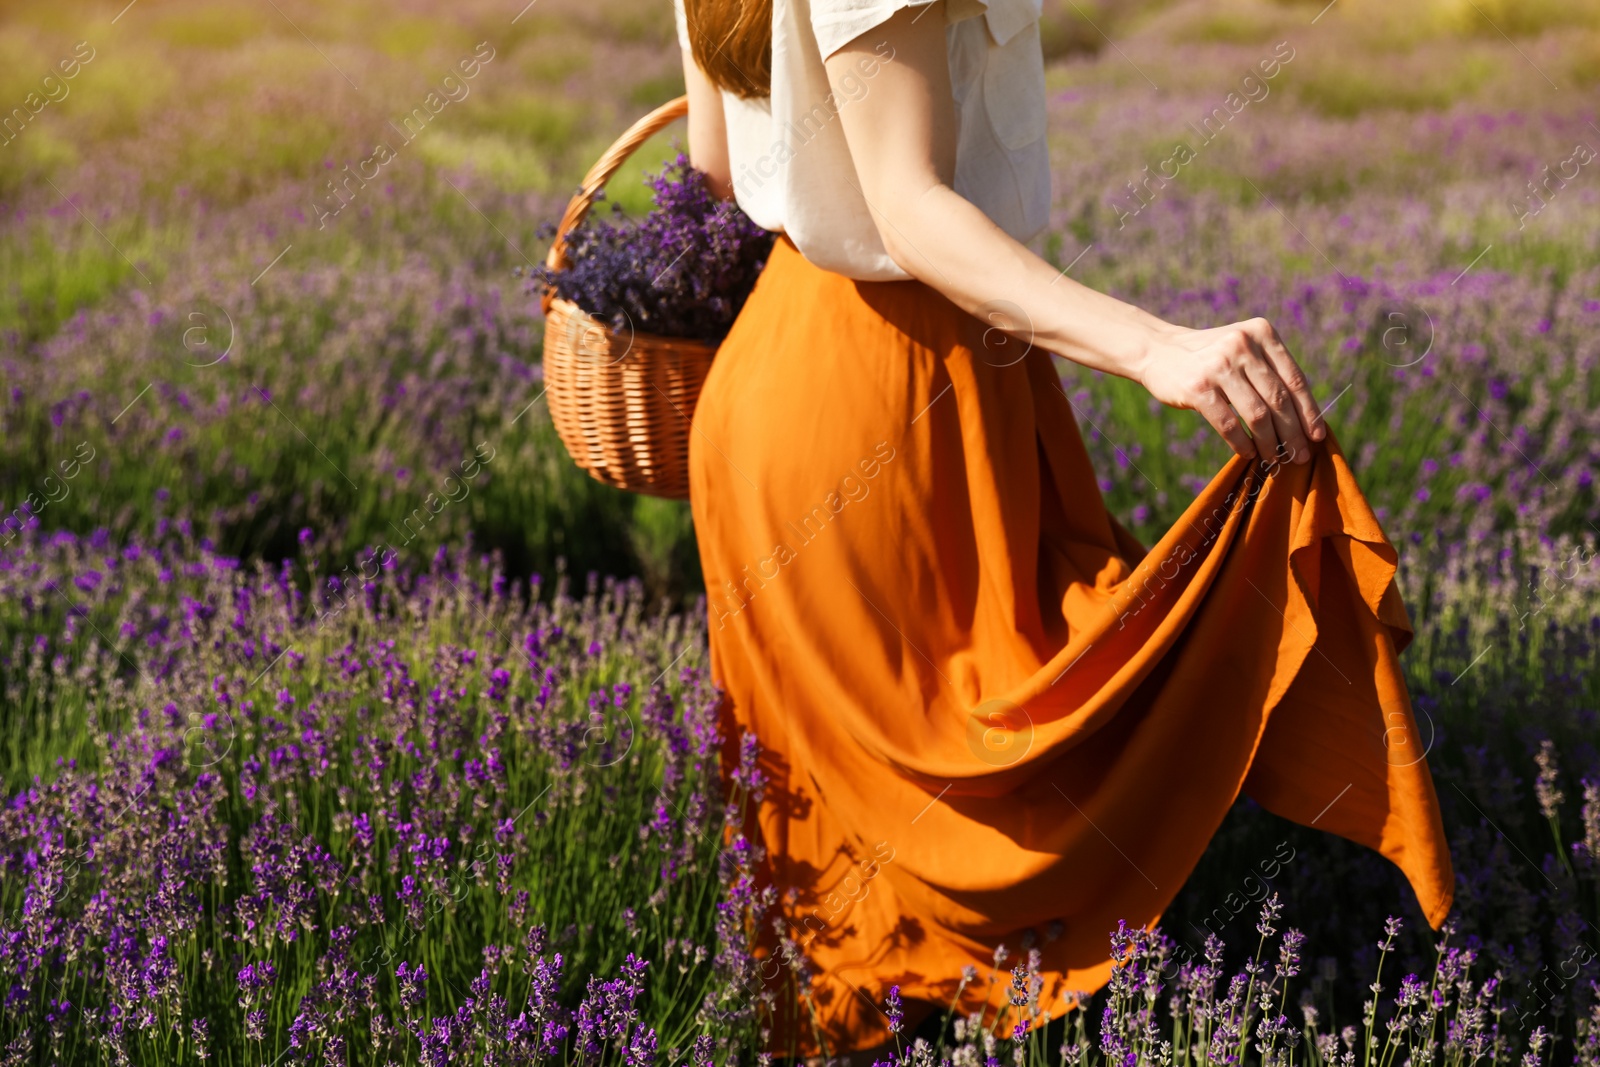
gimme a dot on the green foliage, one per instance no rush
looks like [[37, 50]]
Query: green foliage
[[212, 26], [1341, 89]]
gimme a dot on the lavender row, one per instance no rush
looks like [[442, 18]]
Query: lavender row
[[416, 816], [408, 816]]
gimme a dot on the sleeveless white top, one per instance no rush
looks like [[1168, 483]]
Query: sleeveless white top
[[792, 171]]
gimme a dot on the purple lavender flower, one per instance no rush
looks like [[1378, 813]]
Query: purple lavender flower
[[684, 270], [413, 982], [1271, 908], [199, 1037], [1289, 953]]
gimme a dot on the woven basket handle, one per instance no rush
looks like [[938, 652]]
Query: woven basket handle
[[600, 173]]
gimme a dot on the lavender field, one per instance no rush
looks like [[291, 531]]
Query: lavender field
[[347, 722]]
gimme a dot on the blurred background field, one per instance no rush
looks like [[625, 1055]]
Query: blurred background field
[[243, 298], [204, 143]]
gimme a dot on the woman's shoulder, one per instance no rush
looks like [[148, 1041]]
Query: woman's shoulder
[[836, 23]]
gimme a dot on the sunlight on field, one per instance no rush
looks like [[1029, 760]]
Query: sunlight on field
[[267, 263], [197, 142]]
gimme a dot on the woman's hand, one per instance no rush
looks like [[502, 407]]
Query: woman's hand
[[902, 138], [1237, 376]]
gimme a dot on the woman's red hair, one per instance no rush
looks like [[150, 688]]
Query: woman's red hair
[[731, 40]]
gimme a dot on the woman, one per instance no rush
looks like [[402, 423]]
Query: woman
[[987, 715]]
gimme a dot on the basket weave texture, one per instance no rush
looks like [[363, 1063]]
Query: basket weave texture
[[621, 400]]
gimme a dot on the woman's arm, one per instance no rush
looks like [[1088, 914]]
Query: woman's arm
[[708, 130], [902, 138]]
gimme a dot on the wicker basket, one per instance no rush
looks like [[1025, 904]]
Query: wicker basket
[[621, 401]]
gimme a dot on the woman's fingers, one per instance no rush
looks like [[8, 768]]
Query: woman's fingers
[[1213, 405], [1290, 374], [1245, 383], [1285, 415], [1253, 410]]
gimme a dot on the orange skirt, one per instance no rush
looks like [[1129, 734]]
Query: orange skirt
[[987, 714]]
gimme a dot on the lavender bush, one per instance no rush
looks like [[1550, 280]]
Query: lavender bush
[[683, 270], [1164, 1009], [397, 818], [436, 816]]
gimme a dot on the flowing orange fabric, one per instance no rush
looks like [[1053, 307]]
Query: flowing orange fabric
[[985, 709]]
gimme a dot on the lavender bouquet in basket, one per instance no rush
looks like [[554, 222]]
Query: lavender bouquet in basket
[[684, 270]]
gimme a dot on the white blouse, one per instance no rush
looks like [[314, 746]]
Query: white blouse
[[792, 171]]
